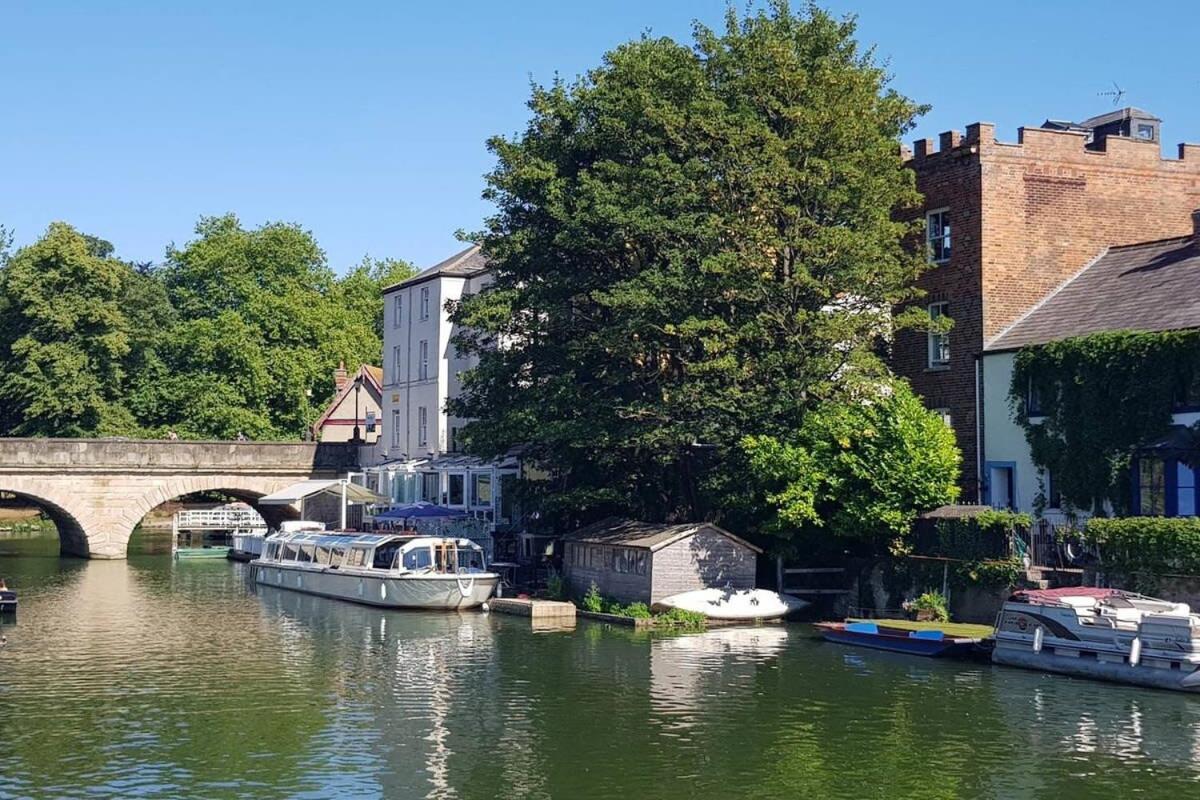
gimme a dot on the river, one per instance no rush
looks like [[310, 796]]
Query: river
[[145, 678]]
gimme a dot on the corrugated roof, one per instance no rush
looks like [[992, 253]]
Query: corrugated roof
[[463, 264], [1153, 286], [647, 535]]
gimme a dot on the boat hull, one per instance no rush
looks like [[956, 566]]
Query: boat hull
[[909, 645], [1141, 675], [201, 552], [734, 604], [432, 591]]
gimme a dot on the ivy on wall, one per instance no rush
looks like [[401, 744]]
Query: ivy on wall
[[1098, 398]]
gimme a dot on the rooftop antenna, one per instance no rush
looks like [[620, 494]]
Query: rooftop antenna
[[1116, 93]]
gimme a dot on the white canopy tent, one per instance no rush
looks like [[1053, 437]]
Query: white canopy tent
[[339, 487]]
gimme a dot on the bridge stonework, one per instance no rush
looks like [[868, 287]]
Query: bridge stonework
[[98, 490]]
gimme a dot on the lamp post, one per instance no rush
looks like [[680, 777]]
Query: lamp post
[[357, 388]]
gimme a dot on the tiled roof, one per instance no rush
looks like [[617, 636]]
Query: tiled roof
[[647, 535], [1154, 286], [464, 264]]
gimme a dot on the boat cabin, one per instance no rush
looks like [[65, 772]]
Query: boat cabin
[[373, 551]]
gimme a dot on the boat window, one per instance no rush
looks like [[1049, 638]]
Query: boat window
[[470, 560], [418, 559], [289, 553], [307, 554], [357, 557], [336, 556], [322, 555], [385, 556], [444, 557]]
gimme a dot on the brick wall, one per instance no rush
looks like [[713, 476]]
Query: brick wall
[[1024, 218]]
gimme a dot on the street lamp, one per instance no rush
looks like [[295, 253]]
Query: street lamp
[[357, 388]]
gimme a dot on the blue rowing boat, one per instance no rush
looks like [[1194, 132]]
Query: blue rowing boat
[[932, 644]]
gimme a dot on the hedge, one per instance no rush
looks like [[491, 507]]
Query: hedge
[[1161, 545]]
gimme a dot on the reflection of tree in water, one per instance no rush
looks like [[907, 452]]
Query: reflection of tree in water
[[198, 685]]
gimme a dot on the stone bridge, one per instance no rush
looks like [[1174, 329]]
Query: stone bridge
[[98, 490]]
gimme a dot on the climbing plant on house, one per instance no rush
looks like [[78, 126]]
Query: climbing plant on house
[[1097, 398]]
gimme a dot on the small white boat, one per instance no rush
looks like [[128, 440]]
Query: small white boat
[[379, 569], [734, 603], [1101, 633]]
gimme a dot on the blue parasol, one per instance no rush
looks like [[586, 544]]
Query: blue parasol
[[419, 511]]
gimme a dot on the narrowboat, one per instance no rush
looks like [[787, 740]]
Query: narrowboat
[[379, 569], [1109, 634], [932, 643]]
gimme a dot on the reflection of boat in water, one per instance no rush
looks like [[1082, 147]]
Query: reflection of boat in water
[[379, 569], [756, 642], [735, 604], [930, 643], [1101, 633]]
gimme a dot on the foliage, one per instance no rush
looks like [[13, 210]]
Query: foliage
[[238, 332], [1102, 396], [633, 610], [555, 587], [592, 601], [1159, 545], [992, 572], [861, 470], [679, 618], [691, 245], [984, 536], [934, 603]]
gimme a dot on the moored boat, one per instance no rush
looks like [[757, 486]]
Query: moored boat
[[8, 599], [930, 643], [387, 570], [247, 544], [1107, 634], [734, 604]]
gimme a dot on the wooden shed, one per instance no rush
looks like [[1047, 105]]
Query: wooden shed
[[642, 561]]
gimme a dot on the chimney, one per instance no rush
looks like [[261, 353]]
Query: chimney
[[339, 376], [1196, 227]]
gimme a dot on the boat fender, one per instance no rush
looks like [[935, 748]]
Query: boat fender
[[1135, 651], [486, 607], [1038, 634]]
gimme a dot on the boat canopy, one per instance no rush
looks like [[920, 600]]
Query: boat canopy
[[299, 491], [336, 539]]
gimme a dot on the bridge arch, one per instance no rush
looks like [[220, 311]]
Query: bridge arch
[[66, 516]]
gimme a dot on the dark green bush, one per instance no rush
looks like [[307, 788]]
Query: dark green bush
[[1161, 545]]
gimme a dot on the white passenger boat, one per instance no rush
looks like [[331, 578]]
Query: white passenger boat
[[379, 569], [1101, 633]]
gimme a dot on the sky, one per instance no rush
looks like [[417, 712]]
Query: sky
[[366, 122]]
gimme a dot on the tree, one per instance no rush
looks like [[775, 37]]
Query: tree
[[691, 245], [362, 287], [64, 338], [860, 470]]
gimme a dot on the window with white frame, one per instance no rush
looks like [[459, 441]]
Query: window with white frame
[[944, 415], [397, 356], [939, 338], [937, 233], [395, 427], [424, 302], [397, 305], [422, 427], [423, 360]]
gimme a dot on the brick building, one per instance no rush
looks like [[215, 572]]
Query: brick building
[[1008, 223]]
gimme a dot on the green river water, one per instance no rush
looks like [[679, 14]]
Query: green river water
[[147, 678]]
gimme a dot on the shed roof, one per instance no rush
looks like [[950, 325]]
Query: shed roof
[[1152, 286], [645, 535], [463, 264]]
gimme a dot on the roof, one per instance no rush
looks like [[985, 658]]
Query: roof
[[645, 535], [1153, 286], [298, 491], [372, 379], [1129, 112], [464, 264]]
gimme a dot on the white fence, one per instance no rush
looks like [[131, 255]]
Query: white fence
[[218, 519]]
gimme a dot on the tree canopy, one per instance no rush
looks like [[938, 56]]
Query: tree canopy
[[237, 331], [691, 245]]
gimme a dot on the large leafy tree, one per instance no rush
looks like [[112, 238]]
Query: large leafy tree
[[692, 245], [64, 337]]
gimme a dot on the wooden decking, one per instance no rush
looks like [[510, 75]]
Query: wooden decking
[[536, 610]]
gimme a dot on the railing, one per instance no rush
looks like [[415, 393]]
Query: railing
[[1054, 544], [218, 519]]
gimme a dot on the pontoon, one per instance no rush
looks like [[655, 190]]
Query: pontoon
[[1101, 633], [379, 569]]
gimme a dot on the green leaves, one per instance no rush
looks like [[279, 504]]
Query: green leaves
[[691, 245]]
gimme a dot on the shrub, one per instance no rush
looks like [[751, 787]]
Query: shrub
[[637, 611], [682, 619], [934, 603], [555, 589], [592, 601], [1161, 545]]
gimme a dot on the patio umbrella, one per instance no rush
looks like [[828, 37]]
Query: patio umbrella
[[419, 511]]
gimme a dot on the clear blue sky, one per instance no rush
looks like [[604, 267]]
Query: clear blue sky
[[366, 121]]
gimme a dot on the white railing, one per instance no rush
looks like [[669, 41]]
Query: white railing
[[218, 519]]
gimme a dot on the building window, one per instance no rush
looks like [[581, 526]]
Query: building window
[[1187, 390], [424, 302], [396, 356], [422, 427], [395, 427], [456, 490], [1145, 132], [937, 233], [1185, 490], [481, 489], [423, 360], [939, 340], [430, 486], [397, 304], [1052, 495], [1152, 487], [944, 415]]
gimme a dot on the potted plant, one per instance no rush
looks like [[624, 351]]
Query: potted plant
[[929, 607]]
